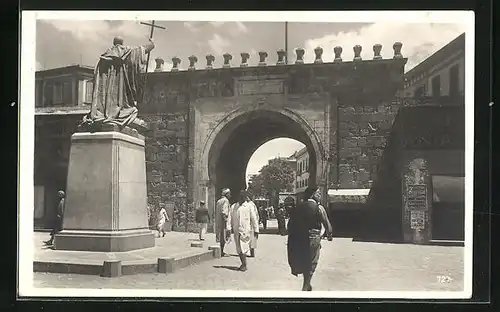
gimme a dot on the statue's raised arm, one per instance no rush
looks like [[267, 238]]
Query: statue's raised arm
[[118, 85]]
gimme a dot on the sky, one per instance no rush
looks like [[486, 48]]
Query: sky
[[65, 42]]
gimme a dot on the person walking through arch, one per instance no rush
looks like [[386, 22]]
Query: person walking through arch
[[221, 214], [304, 236], [280, 217], [253, 238], [243, 223]]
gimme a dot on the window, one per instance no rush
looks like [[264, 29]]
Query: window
[[420, 91], [89, 89], [58, 93], [454, 81], [67, 94], [48, 94], [38, 94], [436, 86]]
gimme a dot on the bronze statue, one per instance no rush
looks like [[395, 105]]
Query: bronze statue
[[118, 85]]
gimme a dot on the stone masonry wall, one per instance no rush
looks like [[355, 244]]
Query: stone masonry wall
[[166, 155], [364, 130]]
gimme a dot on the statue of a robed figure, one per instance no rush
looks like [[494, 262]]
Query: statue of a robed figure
[[118, 85], [106, 192]]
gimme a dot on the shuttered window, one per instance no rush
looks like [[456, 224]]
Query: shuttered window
[[58, 93], [89, 89], [67, 94]]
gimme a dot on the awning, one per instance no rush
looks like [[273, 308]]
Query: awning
[[348, 195], [448, 189]]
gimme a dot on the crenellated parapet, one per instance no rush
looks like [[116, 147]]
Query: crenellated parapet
[[281, 58], [361, 79]]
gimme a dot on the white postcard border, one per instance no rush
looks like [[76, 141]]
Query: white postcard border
[[26, 135]]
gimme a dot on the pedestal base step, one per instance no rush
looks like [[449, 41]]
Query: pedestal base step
[[104, 241], [116, 268]]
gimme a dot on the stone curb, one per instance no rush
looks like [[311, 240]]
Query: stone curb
[[115, 268]]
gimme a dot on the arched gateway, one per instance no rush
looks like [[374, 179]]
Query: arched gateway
[[229, 146], [206, 124]]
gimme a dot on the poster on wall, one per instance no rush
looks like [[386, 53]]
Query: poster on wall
[[417, 220], [417, 197], [39, 202]]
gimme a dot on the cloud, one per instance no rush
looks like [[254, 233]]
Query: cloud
[[101, 30], [419, 41], [218, 43], [237, 28], [217, 24], [192, 26], [241, 27]]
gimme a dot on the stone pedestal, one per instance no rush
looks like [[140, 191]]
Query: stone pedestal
[[106, 196]]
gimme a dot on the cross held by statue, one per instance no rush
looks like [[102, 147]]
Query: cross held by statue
[[153, 26]]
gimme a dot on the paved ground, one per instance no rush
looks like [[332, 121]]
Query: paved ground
[[344, 266], [173, 244]]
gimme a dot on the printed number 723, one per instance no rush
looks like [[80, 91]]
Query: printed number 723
[[444, 279]]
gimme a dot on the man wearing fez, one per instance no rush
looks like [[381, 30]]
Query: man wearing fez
[[304, 236], [221, 215], [243, 223], [118, 84]]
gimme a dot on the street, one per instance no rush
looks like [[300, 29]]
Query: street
[[344, 266]]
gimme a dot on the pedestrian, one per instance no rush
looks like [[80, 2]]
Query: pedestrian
[[280, 216], [328, 217], [253, 238], [58, 222], [263, 217], [243, 223], [202, 218], [162, 219], [304, 236], [221, 215]]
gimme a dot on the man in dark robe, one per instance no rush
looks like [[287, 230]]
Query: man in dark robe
[[118, 85], [304, 236]]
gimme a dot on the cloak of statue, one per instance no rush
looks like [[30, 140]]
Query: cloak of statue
[[118, 85]]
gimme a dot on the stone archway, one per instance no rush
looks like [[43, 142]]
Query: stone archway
[[229, 145]]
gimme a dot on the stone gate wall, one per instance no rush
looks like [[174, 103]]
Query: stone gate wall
[[361, 109]]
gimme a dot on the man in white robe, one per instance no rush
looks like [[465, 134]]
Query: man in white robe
[[253, 238], [244, 224]]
